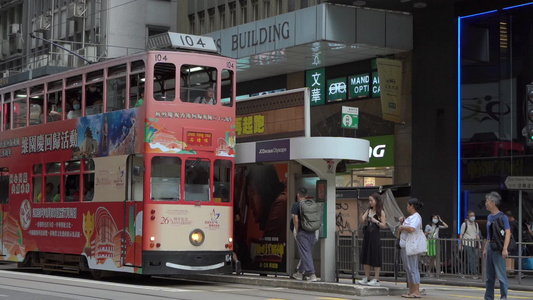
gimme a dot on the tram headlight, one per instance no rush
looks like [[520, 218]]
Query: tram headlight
[[197, 237]]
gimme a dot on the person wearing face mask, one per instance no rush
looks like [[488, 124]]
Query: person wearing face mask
[[432, 234], [470, 242], [76, 112]]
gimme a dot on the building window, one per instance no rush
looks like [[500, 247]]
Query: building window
[[244, 11], [222, 16], [279, 6], [191, 24], [233, 14], [255, 10], [211, 14], [266, 8], [201, 21]]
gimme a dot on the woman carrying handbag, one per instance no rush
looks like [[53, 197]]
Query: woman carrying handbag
[[412, 243]]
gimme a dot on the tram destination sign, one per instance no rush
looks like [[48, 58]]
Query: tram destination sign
[[519, 183]]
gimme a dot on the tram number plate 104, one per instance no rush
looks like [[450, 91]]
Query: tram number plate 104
[[193, 42]]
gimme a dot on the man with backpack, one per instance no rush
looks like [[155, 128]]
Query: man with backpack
[[305, 215], [496, 248], [470, 242]]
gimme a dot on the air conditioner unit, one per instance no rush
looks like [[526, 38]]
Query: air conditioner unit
[[15, 28], [5, 74], [76, 11], [15, 44], [88, 52], [42, 23], [5, 48]]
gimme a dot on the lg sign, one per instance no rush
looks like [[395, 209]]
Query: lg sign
[[377, 152]]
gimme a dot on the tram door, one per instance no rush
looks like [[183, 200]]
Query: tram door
[[133, 209], [4, 207]]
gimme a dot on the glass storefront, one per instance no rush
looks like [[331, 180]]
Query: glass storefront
[[495, 74]]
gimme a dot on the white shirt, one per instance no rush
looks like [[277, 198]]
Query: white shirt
[[471, 233], [205, 100], [415, 221], [74, 114]]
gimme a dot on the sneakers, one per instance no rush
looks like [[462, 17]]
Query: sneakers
[[374, 282], [299, 276], [364, 281], [312, 278]]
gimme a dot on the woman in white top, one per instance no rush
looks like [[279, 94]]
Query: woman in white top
[[410, 263], [76, 112]]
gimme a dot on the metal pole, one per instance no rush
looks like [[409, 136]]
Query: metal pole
[[520, 237]]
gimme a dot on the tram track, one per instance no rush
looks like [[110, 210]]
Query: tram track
[[128, 288]]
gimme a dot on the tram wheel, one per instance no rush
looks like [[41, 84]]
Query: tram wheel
[[48, 271], [97, 274]]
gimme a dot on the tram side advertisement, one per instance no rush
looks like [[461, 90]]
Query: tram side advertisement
[[97, 229]]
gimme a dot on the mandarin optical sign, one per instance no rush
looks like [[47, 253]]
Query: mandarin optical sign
[[364, 85], [360, 86]]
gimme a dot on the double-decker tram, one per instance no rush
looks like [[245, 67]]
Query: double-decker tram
[[124, 165]]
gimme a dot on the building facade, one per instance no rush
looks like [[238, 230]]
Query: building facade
[[93, 29]]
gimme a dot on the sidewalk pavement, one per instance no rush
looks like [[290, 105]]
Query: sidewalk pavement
[[388, 286]]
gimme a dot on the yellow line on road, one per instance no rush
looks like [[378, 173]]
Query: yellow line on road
[[468, 297], [495, 296]]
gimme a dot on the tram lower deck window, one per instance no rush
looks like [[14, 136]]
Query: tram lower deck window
[[165, 180]]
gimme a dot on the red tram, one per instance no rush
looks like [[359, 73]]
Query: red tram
[[125, 165]]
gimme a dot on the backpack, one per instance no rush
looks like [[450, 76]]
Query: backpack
[[498, 236], [309, 215]]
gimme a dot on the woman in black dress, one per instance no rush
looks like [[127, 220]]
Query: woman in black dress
[[374, 218]]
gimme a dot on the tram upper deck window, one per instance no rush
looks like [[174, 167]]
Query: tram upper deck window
[[94, 87], [20, 104], [164, 82], [197, 180], [165, 183], [55, 99], [198, 84], [227, 87], [137, 79], [37, 109], [116, 88]]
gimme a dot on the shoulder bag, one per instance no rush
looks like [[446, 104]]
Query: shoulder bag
[[416, 243]]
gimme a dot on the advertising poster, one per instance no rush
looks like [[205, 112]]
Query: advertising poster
[[260, 228], [390, 79]]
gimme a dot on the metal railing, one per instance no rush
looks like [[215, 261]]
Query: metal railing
[[451, 258]]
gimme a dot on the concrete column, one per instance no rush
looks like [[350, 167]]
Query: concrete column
[[325, 169]]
